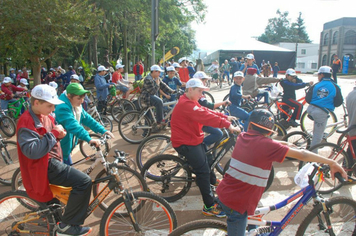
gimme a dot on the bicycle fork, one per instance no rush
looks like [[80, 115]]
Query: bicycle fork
[[326, 212], [128, 206]]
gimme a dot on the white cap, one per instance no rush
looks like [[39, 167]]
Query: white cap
[[200, 75], [53, 84], [46, 93], [7, 80], [23, 81], [44, 69], [80, 68], [291, 72], [195, 83], [19, 71], [59, 67], [118, 66], [12, 69], [175, 65], [156, 68], [76, 77], [232, 59], [182, 59], [250, 56], [325, 69], [170, 68], [238, 74], [102, 68]]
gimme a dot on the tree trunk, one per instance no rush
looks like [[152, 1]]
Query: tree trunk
[[36, 65], [95, 51], [125, 53]]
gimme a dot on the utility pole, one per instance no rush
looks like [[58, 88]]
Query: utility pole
[[154, 28]]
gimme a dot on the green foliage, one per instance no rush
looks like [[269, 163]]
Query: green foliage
[[279, 29], [88, 69]]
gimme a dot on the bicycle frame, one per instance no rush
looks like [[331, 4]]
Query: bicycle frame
[[284, 111], [136, 91], [17, 109], [149, 111]]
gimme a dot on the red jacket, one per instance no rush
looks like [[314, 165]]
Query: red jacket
[[8, 91], [188, 118], [140, 69], [34, 172], [184, 74]]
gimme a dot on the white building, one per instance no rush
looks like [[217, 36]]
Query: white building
[[307, 55]]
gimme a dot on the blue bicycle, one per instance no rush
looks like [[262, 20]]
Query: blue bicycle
[[334, 216]]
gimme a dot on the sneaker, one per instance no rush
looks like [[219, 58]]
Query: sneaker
[[213, 211], [217, 182], [65, 230], [293, 123]]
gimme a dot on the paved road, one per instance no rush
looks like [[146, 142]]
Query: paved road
[[189, 208]]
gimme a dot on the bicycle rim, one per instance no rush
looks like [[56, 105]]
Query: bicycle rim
[[87, 150], [279, 132], [120, 108], [134, 127], [307, 124], [8, 126], [9, 161], [201, 228]]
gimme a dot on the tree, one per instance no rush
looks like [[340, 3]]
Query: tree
[[299, 32], [36, 30]]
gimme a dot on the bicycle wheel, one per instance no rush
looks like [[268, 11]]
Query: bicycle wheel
[[279, 132], [16, 181], [105, 122], [341, 139], [7, 125], [306, 124], [201, 227], [270, 177], [152, 146], [341, 213], [134, 127], [226, 97], [209, 97], [330, 151], [299, 139], [9, 161], [15, 218], [88, 151], [121, 107], [130, 179], [167, 176], [154, 216]]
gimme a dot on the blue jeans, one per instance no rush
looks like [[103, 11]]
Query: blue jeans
[[236, 222], [227, 73], [158, 103], [4, 103], [241, 114], [265, 95], [215, 134], [68, 161], [138, 77]]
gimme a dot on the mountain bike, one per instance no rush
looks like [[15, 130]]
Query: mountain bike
[[7, 125], [129, 177], [9, 160], [100, 118], [14, 109], [132, 213], [333, 216]]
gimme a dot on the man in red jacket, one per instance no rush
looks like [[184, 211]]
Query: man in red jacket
[[187, 137], [138, 70], [183, 71], [8, 90], [40, 157]]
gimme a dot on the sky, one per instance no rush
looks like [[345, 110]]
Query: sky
[[227, 21]]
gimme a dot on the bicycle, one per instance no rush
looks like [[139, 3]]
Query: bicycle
[[14, 108], [9, 160], [7, 125], [128, 176], [333, 216], [100, 118], [337, 152], [132, 213]]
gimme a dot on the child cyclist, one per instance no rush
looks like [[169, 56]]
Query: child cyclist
[[188, 118], [245, 180], [40, 157]]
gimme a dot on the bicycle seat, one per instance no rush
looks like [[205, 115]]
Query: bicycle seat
[[60, 192], [341, 131]]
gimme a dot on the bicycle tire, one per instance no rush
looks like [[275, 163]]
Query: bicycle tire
[[154, 215], [299, 139], [342, 218], [87, 151], [270, 177], [152, 146], [341, 139], [279, 130], [105, 122], [172, 182], [130, 179], [133, 131], [306, 124], [228, 152], [121, 107], [8, 126], [226, 97], [201, 227], [209, 97], [16, 207], [330, 150], [9, 152]]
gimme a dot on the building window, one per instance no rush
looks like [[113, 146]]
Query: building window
[[301, 65], [326, 39], [335, 36], [314, 65], [323, 61], [350, 37], [303, 51]]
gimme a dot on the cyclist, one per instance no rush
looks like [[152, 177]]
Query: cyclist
[[252, 82], [323, 97], [40, 158], [290, 84], [351, 111], [235, 97], [187, 136], [172, 81], [152, 89], [245, 180], [8, 90], [71, 115], [102, 88], [120, 83], [250, 58]]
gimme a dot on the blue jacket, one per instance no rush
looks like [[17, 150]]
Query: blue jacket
[[172, 83], [102, 87], [65, 117], [324, 93], [290, 87], [235, 95]]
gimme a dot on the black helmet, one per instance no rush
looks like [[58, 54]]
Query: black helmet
[[262, 118]]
